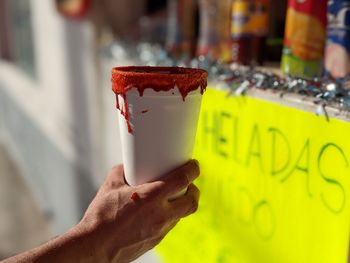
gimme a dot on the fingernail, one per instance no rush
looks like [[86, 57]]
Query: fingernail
[[191, 169], [196, 162], [197, 166]]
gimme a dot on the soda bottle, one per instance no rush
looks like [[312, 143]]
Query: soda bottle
[[242, 31], [305, 36], [224, 28], [181, 28], [260, 26], [208, 43]]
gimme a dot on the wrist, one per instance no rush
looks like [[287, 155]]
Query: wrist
[[88, 242], [103, 244]]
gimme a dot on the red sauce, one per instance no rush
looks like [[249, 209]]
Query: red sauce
[[135, 197], [158, 79]]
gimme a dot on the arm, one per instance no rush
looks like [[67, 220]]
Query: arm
[[123, 222]]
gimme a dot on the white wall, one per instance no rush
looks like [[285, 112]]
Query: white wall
[[62, 128], [48, 123]]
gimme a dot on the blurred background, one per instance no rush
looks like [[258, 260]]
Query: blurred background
[[58, 124]]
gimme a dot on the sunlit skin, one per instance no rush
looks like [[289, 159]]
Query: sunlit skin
[[123, 222]]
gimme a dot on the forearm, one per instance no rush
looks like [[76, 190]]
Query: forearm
[[118, 228], [73, 246]]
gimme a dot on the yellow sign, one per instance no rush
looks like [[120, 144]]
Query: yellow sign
[[275, 186]]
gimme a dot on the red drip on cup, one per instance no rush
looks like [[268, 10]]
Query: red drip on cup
[[158, 79]]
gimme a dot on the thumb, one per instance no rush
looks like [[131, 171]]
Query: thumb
[[115, 178]]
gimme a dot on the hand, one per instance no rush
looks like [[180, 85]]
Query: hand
[[122, 222], [122, 229]]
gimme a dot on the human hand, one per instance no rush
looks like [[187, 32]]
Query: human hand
[[122, 228]]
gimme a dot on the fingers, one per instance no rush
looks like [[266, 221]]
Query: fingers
[[155, 241], [172, 183], [180, 178], [115, 177], [185, 205]]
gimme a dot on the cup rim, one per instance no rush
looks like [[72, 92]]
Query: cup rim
[[158, 78], [157, 71]]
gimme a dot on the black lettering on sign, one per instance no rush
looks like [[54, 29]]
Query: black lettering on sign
[[236, 140], [304, 168], [222, 140], [339, 207], [275, 134], [254, 149], [264, 220], [209, 131]]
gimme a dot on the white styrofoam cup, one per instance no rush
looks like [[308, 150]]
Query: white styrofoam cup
[[164, 128]]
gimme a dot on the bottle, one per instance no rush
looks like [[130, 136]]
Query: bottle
[[224, 29], [260, 26], [208, 43], [242, 33], [305, 36], [337, 56], [277, 20], [181, 28]]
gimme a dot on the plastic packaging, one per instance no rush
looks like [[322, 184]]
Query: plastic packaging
[[305, 37], [337, 61]]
